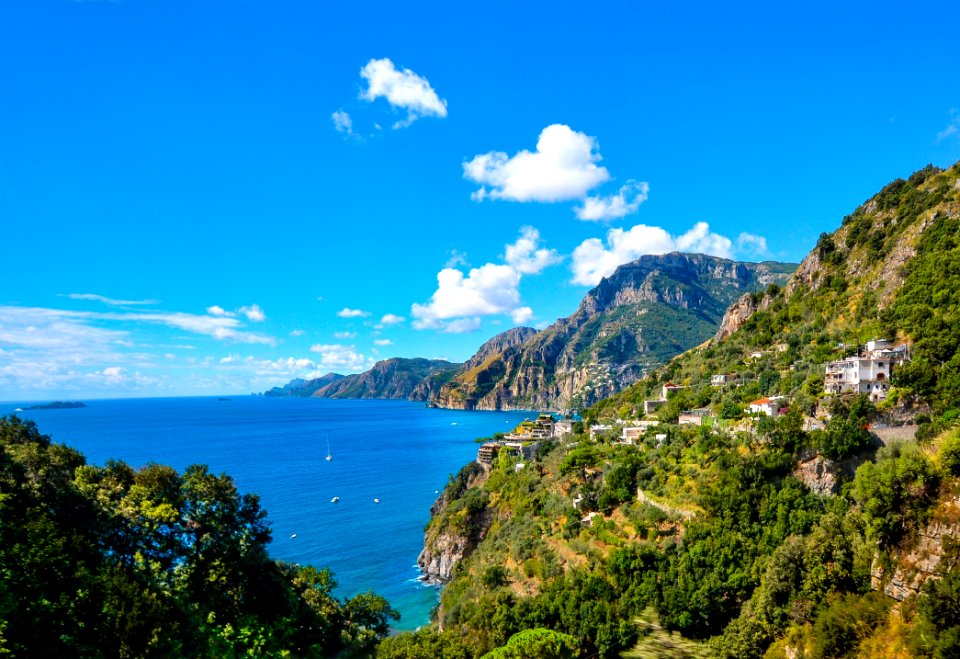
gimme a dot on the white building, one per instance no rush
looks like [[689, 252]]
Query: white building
[[721, 379], [598, 428], [769, 406], [867, 372]]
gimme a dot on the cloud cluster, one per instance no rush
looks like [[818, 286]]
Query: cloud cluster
[[402, 89], [562, 168], [625, 202], [335, 356], [594, 258], [493, 288], [342, 122]]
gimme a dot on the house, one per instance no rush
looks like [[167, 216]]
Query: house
[[767, 406], [630, 434], [723, 379], [598, 428], [561, 428], [668, 389], [651, 406], [487, 453], [867, 372], [756, 355], [693, 417]]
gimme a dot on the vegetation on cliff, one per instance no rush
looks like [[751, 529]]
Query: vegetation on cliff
[[116, 562], [712, 531]]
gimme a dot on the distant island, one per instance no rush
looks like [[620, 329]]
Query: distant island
[[56, 405]]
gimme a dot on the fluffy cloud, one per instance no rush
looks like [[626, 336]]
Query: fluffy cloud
[[342, 122], [750, 244], [391, 319], [253, 313], [521, 315], [383, 342], [563, 167], [491, 289], [625, 202], [524, 255], [217, 310], [108, 300], [344, 335], [593, 259], [347, 312], [952, 128], [404, 90], [337, 356]]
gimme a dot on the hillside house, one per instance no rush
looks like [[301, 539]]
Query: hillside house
[[669, 388], [632, 434], [487, 453], [562, 427], [651, 406], [598, 429], [693, 417], [867, 372], [724, 379], [768, 406]]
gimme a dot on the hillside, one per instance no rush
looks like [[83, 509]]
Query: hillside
[[642, 315], [397, 378], [750, 535]]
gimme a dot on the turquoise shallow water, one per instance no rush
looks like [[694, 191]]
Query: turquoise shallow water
[[397, 451]]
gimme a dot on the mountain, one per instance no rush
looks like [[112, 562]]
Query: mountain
[[300, 388], [413, 379], [646, 312]]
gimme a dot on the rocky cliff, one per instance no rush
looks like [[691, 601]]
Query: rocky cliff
[[642, 315]]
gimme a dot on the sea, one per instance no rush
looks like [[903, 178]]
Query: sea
[[399, 452]]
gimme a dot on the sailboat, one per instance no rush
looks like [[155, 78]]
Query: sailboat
[[329, 454]]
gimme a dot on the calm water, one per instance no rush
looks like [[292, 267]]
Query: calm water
[[397, 451]]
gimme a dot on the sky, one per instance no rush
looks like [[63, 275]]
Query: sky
[[207, 197]]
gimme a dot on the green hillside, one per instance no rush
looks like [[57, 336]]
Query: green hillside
[[747, 536]]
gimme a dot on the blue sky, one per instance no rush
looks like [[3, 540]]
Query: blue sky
[[203, 197]]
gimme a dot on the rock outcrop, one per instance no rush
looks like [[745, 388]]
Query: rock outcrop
[[936, 543]]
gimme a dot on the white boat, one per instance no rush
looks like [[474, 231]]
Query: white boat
[[335, 500], [329, 454], [293, 535], [19, 409], [376, 500]]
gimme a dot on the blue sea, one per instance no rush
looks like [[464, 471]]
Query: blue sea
[[399, 452]]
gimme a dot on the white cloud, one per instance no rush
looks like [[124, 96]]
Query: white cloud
[[337, 356], [108, 300], [297, 332], [216, 310], [391, 319], [748, 243], [461, 326], [342, 122], [593, 259], [952, 128], [402, 89], [383, 342], [491, 289], [253, 313], [347, 312], [625, 202], [563, 167], [457, 258], [344, 335], [524, 255], [521, 315]]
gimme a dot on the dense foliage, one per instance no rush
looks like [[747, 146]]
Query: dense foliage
[[116, 562]]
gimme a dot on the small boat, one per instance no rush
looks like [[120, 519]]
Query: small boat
[[293, 535], [329, 454], [19, 409], [376, 500], [335, 500]]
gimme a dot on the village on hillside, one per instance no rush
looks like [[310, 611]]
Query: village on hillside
[[867, 372]]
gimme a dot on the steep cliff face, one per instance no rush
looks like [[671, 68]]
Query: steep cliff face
[[413, 379], [458, 523], [300, 388], [645, 313]]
